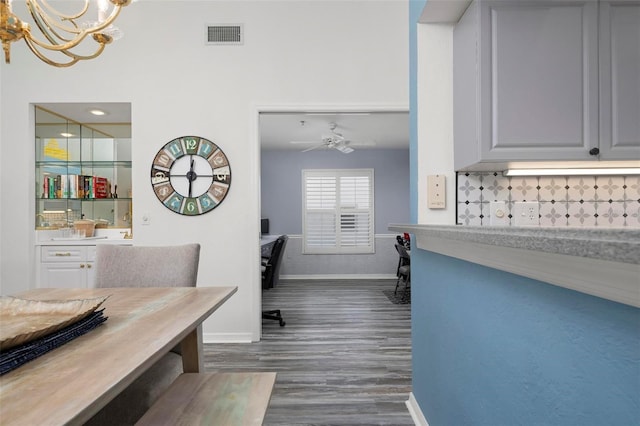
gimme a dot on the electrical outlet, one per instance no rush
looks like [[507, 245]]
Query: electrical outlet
[[526, 213], [499, 216]]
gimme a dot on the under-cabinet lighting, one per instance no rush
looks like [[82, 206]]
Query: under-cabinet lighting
[[573, 172], [66, 135]]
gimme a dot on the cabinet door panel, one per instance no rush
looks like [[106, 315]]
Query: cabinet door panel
[[620, 80], [538, 79], [63, 275]]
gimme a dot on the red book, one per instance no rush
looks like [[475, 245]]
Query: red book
[[102, 187]]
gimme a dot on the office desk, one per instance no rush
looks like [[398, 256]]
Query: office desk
[[71, 383], [266, 244]]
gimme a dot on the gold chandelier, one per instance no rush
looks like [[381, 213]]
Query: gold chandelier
[[62, 32]]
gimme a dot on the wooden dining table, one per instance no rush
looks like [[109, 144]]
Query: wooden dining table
[[69, 384]]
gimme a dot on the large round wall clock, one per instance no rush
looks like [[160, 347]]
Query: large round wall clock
[[191, 175]]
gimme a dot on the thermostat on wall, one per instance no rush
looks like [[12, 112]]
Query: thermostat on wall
[[435, 192]]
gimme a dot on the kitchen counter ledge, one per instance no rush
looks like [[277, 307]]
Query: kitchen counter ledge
[[601, 262]]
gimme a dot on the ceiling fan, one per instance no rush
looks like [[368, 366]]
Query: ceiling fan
[[333, 141]]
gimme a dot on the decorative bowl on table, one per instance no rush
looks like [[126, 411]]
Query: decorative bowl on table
[[25, 320]]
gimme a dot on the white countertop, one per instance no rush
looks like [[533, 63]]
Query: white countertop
[[101, 236]]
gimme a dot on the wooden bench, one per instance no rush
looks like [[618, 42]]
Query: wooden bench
[[227, 399]]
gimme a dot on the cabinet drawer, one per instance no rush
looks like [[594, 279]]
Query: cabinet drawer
[[64, 253]]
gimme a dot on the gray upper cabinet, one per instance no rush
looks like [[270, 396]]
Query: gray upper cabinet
[[619, 79], [527, 81]]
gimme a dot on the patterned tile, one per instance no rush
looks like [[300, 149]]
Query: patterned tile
[[469, 187], [582, 214], [553, 214], [609, 188], [552, 188], [581, 188], [495, 187], [632, 188], [607, 201], [469, 214], [610, 215], [524, 189]]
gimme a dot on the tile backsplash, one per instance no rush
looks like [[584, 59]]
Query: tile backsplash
[[590, 201]]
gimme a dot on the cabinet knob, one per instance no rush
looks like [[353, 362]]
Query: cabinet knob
[[88, 266], [82, 266], [594, 151]]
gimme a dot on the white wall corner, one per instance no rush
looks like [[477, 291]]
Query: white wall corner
[[435, 118], [415, 411]]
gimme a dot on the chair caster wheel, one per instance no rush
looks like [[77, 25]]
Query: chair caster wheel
[[282, 323]]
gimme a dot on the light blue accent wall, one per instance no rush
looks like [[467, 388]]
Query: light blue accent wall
[[494, 348], [281, 180]]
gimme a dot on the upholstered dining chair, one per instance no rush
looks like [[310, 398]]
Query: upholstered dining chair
[[144, 266]]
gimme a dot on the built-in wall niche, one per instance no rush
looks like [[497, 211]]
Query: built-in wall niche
[[82, 164]]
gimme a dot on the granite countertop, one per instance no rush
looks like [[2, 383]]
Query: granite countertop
[[611, 244]]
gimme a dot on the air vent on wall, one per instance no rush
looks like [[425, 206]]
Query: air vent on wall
[[224, 34]]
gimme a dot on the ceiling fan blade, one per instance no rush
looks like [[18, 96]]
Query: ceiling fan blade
[[312, 148], [302, 142], [361, 143]]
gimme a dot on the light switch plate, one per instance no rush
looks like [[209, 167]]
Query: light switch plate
[[499, 216], [526, 213], [436, 192]]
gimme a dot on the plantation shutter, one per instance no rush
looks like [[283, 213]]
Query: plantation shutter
[[338, 211]]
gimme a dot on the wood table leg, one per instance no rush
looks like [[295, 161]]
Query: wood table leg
[[192, 359]]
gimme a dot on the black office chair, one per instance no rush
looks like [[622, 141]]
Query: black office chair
[[271, 275], [404, 268]]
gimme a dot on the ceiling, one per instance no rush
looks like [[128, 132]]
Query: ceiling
[[362, 130], [116, 122]]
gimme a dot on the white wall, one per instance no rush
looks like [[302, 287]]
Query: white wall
[[295, 53], [435, 119]]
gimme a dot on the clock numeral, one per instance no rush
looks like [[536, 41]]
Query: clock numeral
[[190, 145], [218, 191], [222, 174], [163, 190], [174, 202], [206, 148], [175, 148], [163, 160], [190, 207], [218, 160], [159, 176], [206, 202]]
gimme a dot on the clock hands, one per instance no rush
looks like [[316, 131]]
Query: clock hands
[[191, 175]]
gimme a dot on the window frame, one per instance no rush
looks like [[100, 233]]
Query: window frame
[[341, 246]]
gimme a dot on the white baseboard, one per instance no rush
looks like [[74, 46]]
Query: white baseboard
[[340, 277], [415, 411], [226, 338]]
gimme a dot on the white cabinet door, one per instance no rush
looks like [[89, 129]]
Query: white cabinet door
[[66, 266], [63, 275], [619, 79]]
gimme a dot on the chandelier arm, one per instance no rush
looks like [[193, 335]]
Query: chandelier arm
[[81, 35], [74, 57], [46, 25], [62, 16]]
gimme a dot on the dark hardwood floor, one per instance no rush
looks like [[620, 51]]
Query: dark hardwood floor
[[343, 358]]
